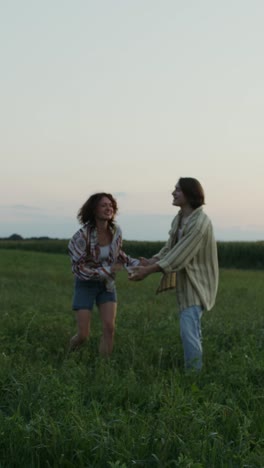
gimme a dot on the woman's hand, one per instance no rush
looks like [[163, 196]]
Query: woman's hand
[[117, 267]]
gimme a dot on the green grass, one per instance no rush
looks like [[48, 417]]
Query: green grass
[[138, 408]]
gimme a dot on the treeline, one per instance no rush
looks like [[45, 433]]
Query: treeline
[[244, 255]]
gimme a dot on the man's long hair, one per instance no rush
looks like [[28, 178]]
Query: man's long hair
[[193, 191]]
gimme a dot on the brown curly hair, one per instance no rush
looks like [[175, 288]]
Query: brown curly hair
[[87, 212]]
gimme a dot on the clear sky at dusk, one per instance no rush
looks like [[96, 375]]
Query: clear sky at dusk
[[126, 97]]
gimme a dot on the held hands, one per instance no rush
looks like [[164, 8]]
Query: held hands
[[138, 273], [118, 266], [145, 268]]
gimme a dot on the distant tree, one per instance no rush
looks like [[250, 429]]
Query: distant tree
[[15, 237]]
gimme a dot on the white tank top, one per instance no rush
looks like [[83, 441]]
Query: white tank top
[[104, 252]]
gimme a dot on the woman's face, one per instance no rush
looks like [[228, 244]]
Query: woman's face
[[179, 198], [104, 210]]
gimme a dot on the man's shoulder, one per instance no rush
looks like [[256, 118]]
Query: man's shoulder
[[199, 219], [200, 214]]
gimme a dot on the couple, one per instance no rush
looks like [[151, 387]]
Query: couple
[[190, 256]]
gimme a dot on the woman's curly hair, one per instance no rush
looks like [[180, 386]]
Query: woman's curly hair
[[87, 211]]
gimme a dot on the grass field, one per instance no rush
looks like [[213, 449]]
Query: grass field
[[138, 408]]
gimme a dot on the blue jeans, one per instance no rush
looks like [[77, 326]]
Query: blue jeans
[[191, 336]]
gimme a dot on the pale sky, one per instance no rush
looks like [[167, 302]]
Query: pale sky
[[126, 96]]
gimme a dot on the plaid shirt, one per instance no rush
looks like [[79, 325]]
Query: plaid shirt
[[84, 252]]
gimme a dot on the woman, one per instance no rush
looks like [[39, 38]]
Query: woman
[[96, 256], [190, 256]]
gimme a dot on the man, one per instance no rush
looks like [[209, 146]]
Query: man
[[189, 263]]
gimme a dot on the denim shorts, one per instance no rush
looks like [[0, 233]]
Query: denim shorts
[[86, 293]]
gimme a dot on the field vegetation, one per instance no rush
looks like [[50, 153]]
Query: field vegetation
[[139, 408], [248, 255]]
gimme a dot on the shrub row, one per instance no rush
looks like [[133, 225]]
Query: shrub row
[[245, 255]]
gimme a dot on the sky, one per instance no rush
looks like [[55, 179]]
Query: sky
[[126, 96]]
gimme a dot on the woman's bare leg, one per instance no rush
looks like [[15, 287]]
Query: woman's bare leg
[[107, 313], [83, 318]]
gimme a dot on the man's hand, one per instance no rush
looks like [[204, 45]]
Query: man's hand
[[147, 261], [143, 261]]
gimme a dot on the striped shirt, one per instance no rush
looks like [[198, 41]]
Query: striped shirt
[[84, 252], [194, 258]]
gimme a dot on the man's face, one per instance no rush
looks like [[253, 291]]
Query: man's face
[[179, 198]]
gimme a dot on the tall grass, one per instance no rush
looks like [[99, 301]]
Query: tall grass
[[138, 408]]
